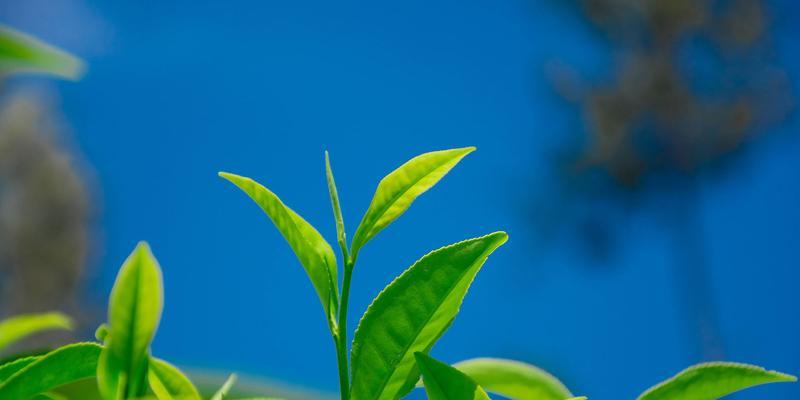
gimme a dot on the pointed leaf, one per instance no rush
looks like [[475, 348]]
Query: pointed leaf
[[20, 326], [226, 387], [400, 188], [341, 237], [169, 383], [134, 312], [314, 253], [710, 381], [61, 366], [443, 382], [21, 53], [514, 379], [410, 314]]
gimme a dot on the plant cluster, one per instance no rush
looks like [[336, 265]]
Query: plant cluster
[[390, 347]]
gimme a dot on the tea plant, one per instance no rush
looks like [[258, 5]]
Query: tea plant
[[389, 349]]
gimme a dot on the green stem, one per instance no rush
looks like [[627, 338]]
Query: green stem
[[341, 337]]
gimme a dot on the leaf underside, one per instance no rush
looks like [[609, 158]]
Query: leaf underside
[[710, 381], [21, 53], [514, 379], [314, 253], [400, 188], [410, 315], [134, 312], [443, 382], [61, 366]]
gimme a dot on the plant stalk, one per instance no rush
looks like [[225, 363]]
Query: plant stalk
[[341, 337]]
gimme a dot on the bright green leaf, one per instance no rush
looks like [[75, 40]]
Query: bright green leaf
[[58, 367], [410, 314], [226, 387], [169, 383], [341, 237], [514, 379], [314, 253], [21, 326], [21, 53], [443, 382], [710, 381], [11, 367], [397, 191], [134, 311]]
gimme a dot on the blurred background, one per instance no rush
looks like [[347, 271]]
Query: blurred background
[[642, 155]]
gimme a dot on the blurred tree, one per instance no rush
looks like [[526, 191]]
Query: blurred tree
[[694, 82], [45, 209]]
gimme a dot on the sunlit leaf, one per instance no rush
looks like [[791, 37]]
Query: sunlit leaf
[[410, 314], [169, 383], [397, 191], [134, 311], [337, 210], [314, 253], [713, 380], [21, 326], [61, 366], [514, 379], [21, 53], [443, 382]]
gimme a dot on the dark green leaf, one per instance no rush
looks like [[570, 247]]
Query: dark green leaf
[[61, 366], [10, 368], [710, 381], [410, 314], [400, 188], [443, 382]]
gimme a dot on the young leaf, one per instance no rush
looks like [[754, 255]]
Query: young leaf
[[443, 382], [514, 379], [20, 326], [710, 381], [134, 311], [314, 253], [337, 210], [226, 387], [61, 366], [410, 314], [21, 53], [169, 383], [397, 191]]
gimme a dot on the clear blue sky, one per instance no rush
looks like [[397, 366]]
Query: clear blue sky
[[178, 90]]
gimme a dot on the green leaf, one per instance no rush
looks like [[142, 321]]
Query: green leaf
[[410, 315], [397, 191], [341, 236], [11, 367], [16, 328], [713, 380], [514, 379], [443, 382], [169, 383], [61, 366], [134, 311], [226, 387], [21, 53], [314, 253]]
